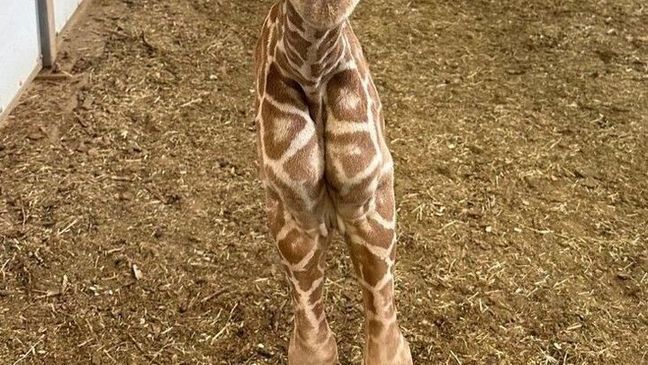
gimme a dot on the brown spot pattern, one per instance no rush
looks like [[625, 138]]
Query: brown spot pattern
[[279, 130], [343, 85]]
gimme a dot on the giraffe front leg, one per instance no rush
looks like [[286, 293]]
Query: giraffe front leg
[[302, 242], [367, 218]]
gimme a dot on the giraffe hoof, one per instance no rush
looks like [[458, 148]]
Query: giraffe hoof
[[391, 355], [320, 354]]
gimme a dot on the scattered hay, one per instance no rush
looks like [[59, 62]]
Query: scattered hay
[[131, 222]]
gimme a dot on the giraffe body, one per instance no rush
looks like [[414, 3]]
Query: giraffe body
[[325, 165]]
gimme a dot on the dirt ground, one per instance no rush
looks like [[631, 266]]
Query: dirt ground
[[131, 221]]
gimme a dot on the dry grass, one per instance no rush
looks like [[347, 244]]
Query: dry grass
[[131, 224]]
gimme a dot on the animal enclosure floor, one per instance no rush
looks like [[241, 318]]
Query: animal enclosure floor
[[131, 219]]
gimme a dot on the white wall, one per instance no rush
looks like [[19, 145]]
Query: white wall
[[19, 46], [63, 11]]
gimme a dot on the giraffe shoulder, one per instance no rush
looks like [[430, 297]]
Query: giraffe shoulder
[[346, 96]]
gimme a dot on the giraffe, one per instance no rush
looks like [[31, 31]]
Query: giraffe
[[325, 165]]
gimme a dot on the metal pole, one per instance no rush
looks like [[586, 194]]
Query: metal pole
[[47, 31]]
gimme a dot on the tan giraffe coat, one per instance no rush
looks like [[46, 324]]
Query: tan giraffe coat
[[325, 164]]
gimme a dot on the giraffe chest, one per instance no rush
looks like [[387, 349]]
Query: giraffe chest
[[316, 106]]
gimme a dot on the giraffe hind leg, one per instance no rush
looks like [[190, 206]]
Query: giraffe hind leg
[[359, 175], [302, 248], [367, 220], [297, 211]]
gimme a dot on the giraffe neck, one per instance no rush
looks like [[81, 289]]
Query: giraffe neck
[[308, 54]]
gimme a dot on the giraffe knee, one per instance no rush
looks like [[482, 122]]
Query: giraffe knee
[[373, 190], [354, 201], [302, 203], [368, 221]]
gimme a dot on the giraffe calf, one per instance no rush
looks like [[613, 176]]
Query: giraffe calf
[[325, 165]]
